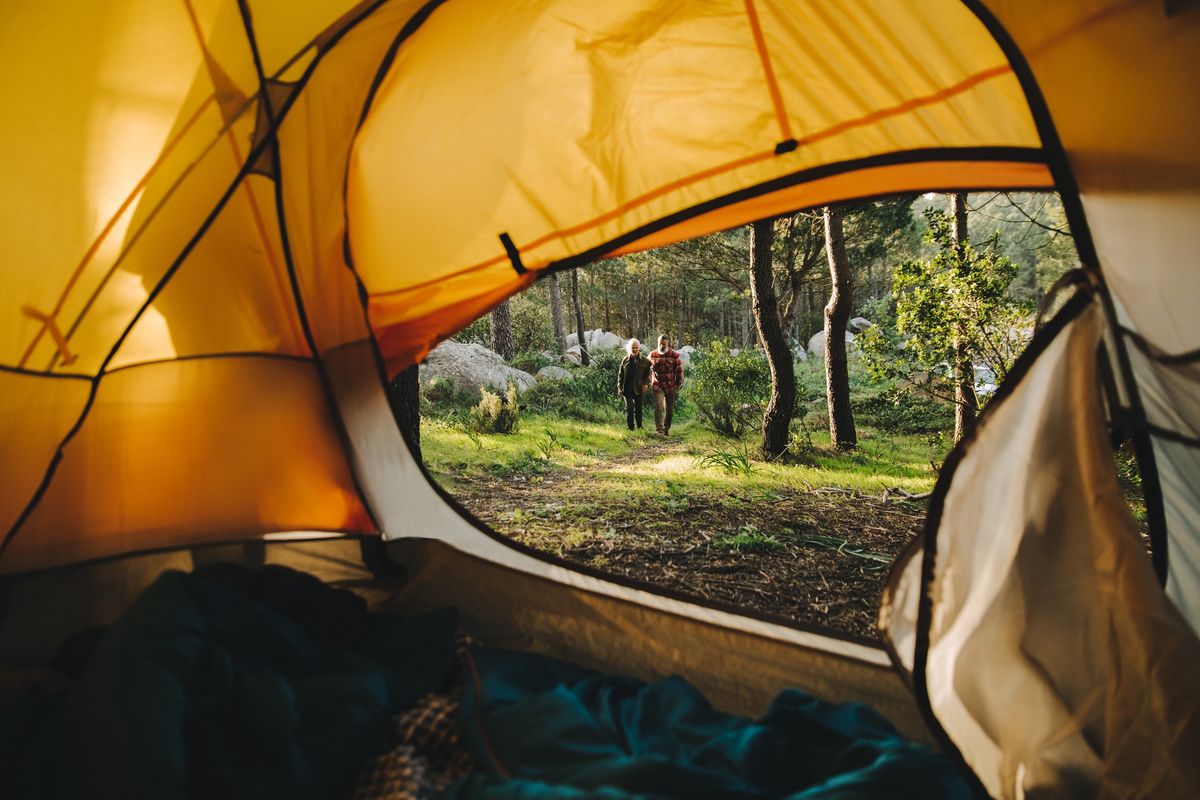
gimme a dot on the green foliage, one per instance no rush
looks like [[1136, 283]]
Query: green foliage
[[549, 445], [730, 461], [963, 291], [894, 411], [529, 361], [589, 396], [749, 539], [730, 392], [532, 328], [478, 332], [598, 383], [1128, 472], [496, 414], [440, 397]]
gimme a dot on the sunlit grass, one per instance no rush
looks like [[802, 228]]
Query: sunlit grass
[[646, 466]]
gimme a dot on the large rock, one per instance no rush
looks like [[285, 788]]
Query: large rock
[[860, 324], [553, 373], [816, 345], [596, 340], [470, 366], [604, 340], [573, 356]]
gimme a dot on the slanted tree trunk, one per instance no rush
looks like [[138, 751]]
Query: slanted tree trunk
[[556, 315], [966, 404], [583, 353], [404, 396], [502, 335], [837, 314], [766, 316]]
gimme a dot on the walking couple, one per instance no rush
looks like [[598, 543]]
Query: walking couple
[[662, 372]]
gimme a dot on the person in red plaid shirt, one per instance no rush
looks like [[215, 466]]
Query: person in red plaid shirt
[[666, 379]]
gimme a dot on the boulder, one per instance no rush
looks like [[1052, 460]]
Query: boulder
[[573, 356], [553, 373], [603, 340], [859, 324], [816, 345], [470, 366]]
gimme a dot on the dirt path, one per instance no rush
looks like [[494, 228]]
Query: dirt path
[[815, 557]]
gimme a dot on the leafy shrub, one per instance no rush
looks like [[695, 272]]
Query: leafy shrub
[[496, 414], [529, 361], [440, 397], [572, 399], [531, 325], [597, 384], [478, 332], [730, 392], [894, 411]]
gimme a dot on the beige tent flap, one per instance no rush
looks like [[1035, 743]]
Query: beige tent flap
[[1054, 661]]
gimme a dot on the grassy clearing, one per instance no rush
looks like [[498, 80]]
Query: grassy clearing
[[808, 540], [617, 462]]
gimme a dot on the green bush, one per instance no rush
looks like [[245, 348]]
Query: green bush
[[495, 414], [532, 328], [478, 332], [894, 411], [730, 392], [598, 383], [529, 361], [564, 399], [440, 397]]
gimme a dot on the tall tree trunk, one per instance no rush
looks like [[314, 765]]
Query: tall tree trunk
[[746, 312], [502, 334], [556, 315], [766, 316], [607, 309], [966, 404], [583, 353], [837, 314], [404, 396]]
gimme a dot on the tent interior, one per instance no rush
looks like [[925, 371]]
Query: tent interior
[[229, 224]]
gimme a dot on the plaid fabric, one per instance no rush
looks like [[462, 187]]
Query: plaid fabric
[[667, 369], [424, 755]]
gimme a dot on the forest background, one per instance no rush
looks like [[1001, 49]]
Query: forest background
[[801, 532]]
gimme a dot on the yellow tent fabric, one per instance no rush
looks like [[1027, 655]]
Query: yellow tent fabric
[[227, 222], [212, 166]]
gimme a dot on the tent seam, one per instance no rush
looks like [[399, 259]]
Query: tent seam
[[151, 296], [289, 263]]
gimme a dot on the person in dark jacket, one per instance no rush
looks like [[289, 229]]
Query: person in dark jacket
[[666, 380], [633, 378]]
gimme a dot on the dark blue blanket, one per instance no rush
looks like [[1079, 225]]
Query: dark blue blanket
[[545, 729], [230, 683]]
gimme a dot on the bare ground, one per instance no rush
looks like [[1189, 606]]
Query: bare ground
[[818, 558]]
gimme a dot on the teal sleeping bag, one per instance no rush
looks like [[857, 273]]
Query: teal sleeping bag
[[541, 728]]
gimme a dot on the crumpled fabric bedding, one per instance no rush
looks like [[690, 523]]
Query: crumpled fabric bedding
[[226, 683], [541, 728], [235, 683]]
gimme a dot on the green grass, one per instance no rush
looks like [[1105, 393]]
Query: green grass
[[749, 539], [619, 462]]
